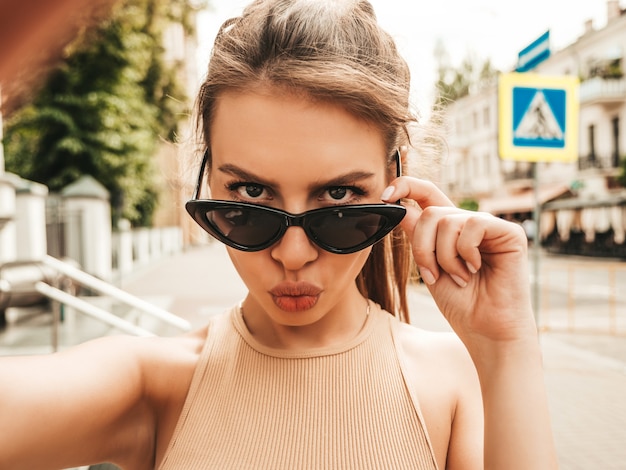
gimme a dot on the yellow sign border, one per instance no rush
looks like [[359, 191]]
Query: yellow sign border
[[506, 149]]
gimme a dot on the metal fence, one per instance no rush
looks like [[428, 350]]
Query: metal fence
[[583, 296]]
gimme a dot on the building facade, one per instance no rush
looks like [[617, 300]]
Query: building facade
[[583, 208]]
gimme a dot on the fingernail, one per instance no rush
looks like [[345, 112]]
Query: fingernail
[[387, 193], [426, 275], [471, 267], [458, 280]]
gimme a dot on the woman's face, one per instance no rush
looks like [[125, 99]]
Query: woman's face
[[288, 152]]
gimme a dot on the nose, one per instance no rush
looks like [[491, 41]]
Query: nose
[[294, 250]]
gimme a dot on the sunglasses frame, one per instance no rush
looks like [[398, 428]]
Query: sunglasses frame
[[198, 208]]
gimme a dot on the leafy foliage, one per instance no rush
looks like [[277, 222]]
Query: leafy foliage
[[454, 83], [104, 109], [468, 204]]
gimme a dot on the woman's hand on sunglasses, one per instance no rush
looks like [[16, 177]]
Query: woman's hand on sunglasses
[[475, 264]]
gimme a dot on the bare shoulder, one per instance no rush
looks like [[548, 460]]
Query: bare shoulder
[[440, 360], [440, 371], [167, 364], [437, 348]]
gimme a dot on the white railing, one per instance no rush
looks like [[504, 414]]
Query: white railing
[[603, 89], [585, 296], [120, 295], [104, 288], [88, 309]]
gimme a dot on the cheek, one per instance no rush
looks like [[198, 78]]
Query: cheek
[[248, 265], [347, 267]]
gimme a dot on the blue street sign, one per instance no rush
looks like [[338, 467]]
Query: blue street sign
[[538, 117], [536, 52]]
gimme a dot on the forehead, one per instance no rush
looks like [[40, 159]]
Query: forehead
[[272, 132]]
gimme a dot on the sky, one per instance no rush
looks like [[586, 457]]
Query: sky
[[487, 29]]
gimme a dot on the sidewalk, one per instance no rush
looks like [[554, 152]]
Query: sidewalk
[[585, 374]]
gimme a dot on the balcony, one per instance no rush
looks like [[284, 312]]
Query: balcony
[[604, 162], [519, 174], [600, 90]]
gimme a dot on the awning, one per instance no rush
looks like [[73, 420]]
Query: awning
[[523, 201], [613, 198]]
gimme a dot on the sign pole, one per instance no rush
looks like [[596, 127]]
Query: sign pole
[[538, 123], [536, 244]]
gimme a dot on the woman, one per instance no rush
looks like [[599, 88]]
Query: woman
[[305, 117]]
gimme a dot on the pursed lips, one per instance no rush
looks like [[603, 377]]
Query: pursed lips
[[295, 296]]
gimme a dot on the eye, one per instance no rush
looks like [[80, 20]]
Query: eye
[[337, 193], [342, 194], [251, 190], [248, 191]]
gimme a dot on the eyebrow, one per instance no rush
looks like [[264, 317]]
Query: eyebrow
[[245, 175], [341, 180], [347, 179]]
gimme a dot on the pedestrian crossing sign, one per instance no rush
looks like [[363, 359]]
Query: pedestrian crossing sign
[[538, 117]]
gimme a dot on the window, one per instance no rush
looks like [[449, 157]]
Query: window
[[592, 143], [615, 134]]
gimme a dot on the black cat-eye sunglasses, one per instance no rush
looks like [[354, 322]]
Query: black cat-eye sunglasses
[[253, 227]]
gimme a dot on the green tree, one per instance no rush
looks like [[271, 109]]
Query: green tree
[[468, 204], [104, 109], [454, 83]]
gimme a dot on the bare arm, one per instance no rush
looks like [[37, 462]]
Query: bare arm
[[76, 407], [516, 408], [476, 268]]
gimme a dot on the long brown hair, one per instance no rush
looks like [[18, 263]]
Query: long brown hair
[[331, 51]]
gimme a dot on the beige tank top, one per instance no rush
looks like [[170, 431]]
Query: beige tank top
[[254, 407]]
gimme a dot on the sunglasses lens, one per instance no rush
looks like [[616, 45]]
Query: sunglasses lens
[[347, 229], [248, 227]]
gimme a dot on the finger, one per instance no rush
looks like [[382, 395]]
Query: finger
[[448, 240], [423, 192], [447, 251], [471, 238], [484, 234], [424, 235]]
